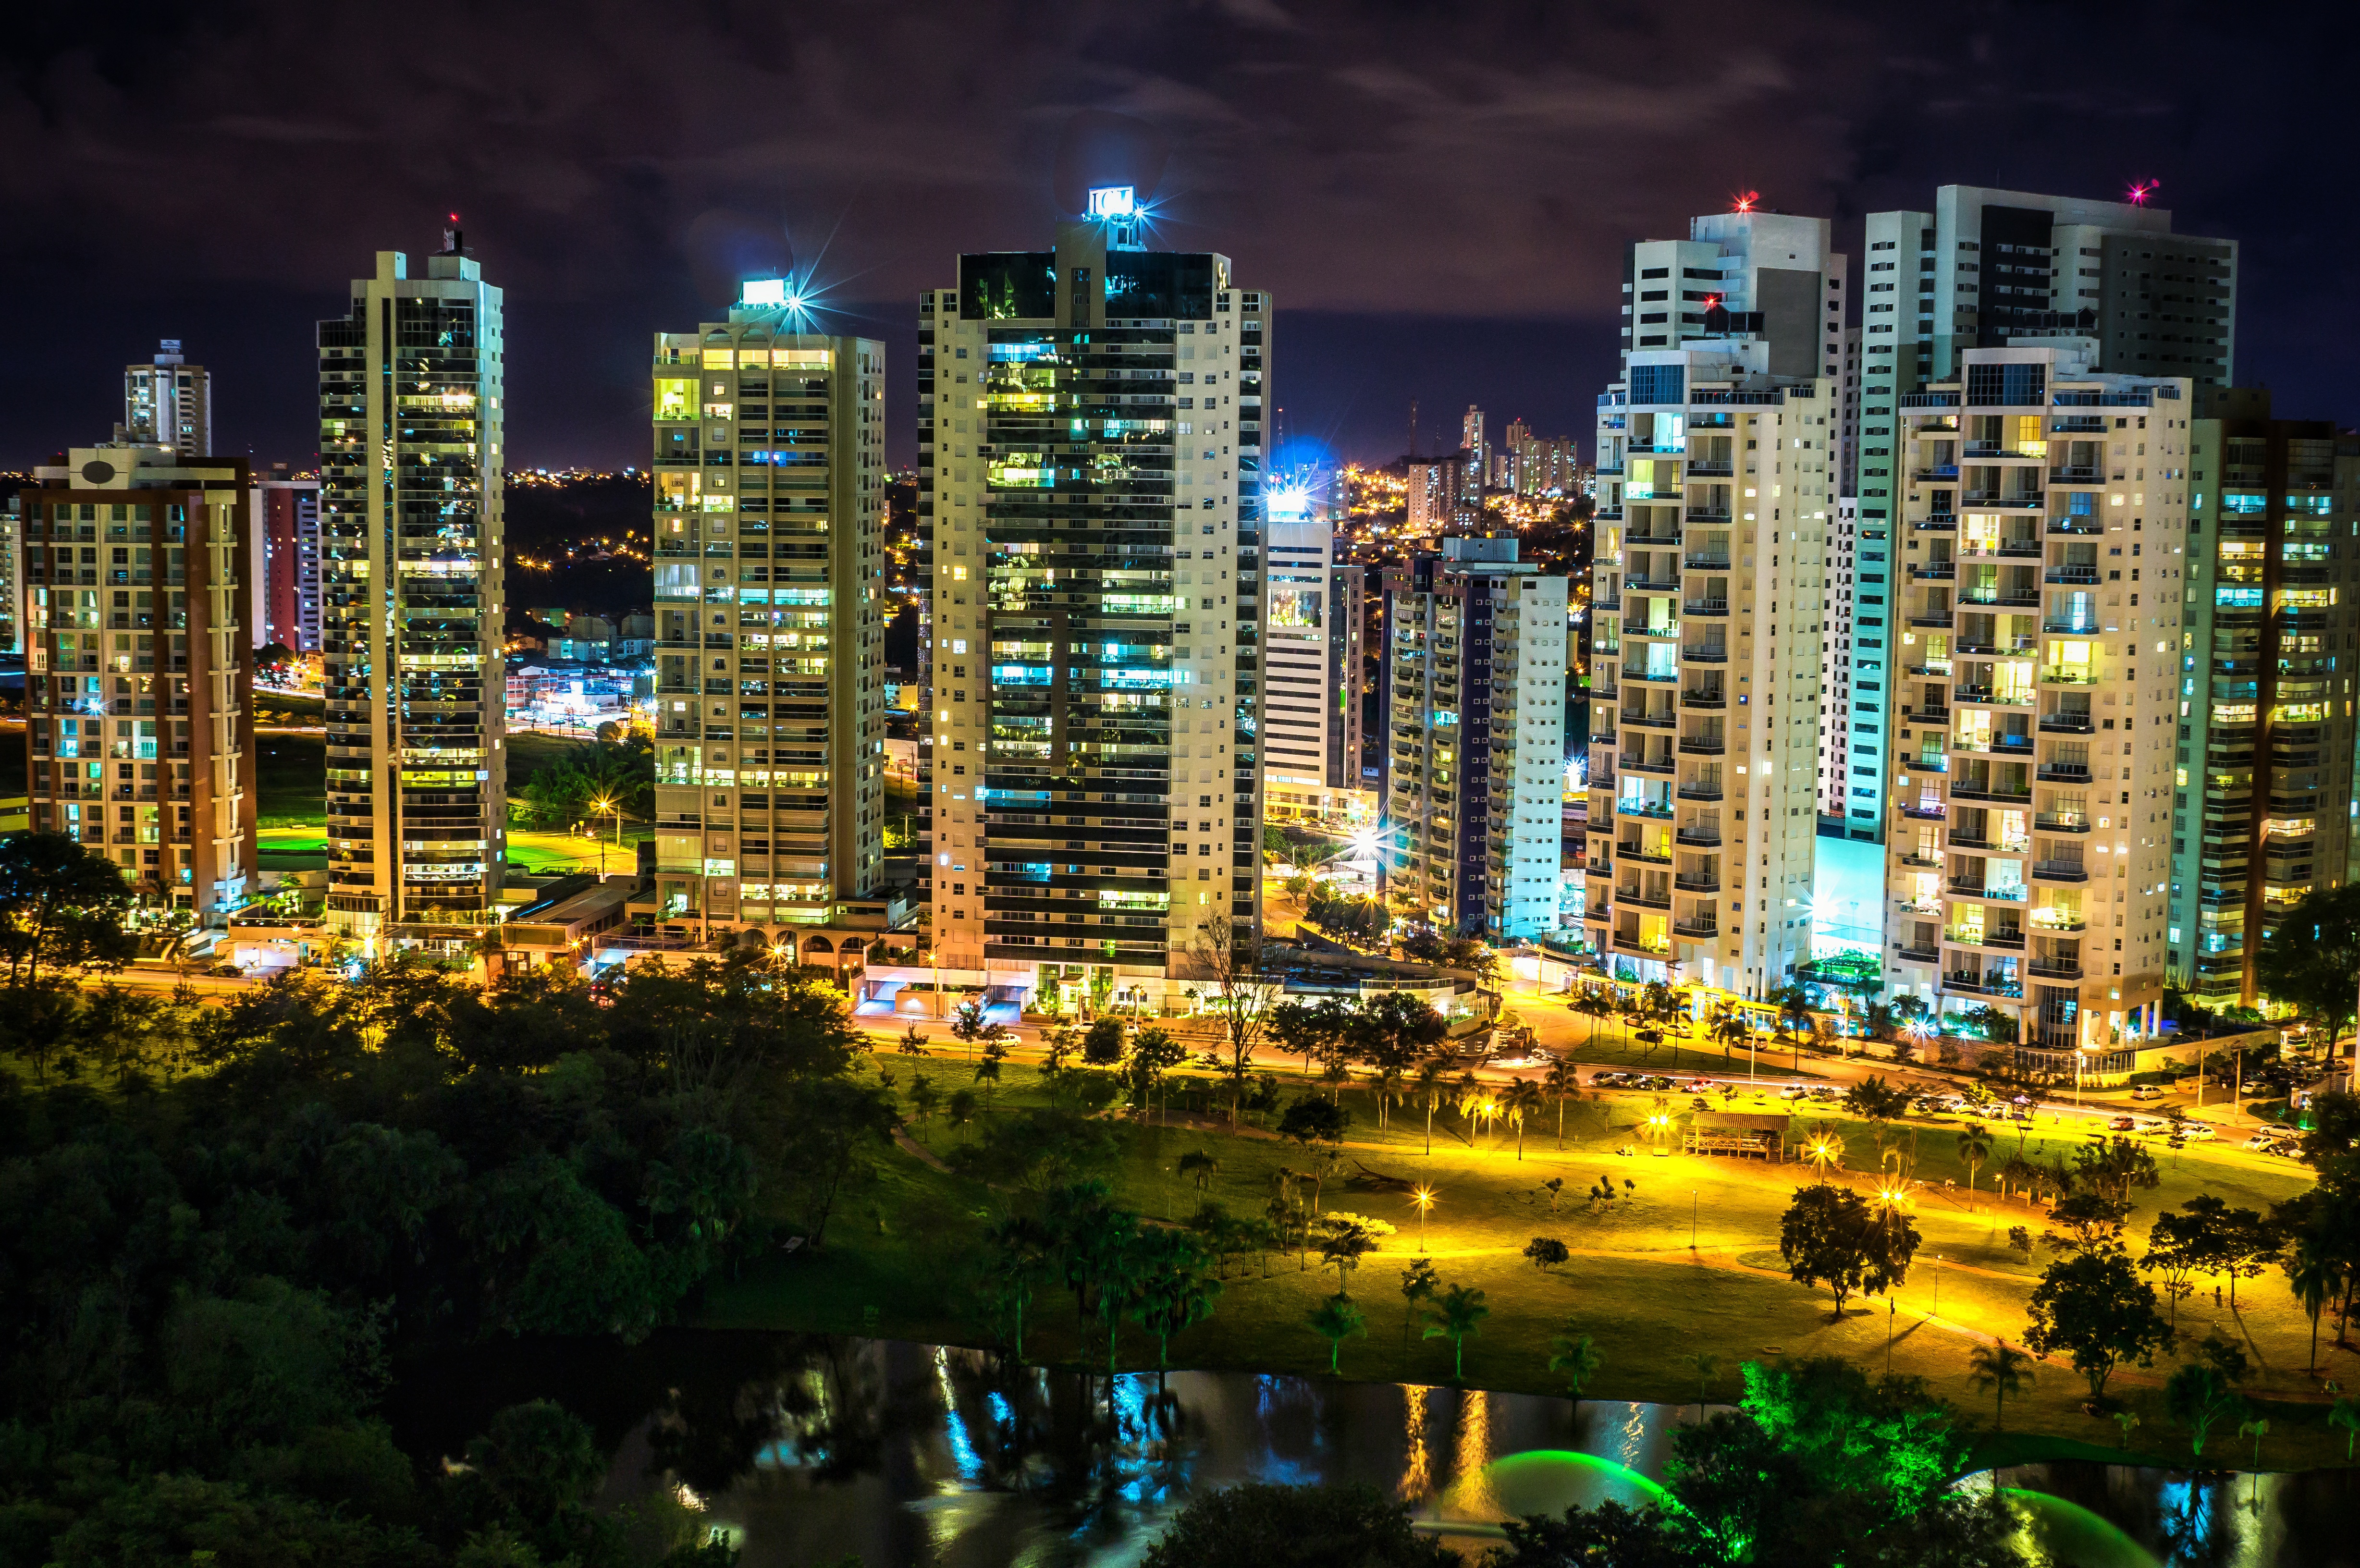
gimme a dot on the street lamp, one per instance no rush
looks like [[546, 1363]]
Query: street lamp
[[1424, 1198], [603, 805]]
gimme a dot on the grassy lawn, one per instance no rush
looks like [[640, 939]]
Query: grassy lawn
[[291, 777], [896, 1263]]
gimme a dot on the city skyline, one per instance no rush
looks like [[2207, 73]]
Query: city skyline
[[1553, 160]]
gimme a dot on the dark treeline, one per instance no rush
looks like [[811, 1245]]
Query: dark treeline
[[212, 1254]]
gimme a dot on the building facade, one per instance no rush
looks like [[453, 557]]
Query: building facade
[[1475, 658], [414, 588], [140, 723], [1091, 450], [2028, 849], [1312, 637], [2263, 782], [1444, 494], [1988, 268], [168, 402], [770, 636], [1716, 498], [287, 534]]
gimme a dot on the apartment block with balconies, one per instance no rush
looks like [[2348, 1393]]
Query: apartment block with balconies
[[1717, 496], [2033, 694], [2262, 778]]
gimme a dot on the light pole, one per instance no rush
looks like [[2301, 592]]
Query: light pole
[[1423, 1199], [1692, 1219], [599, 807], [1938, 1284]]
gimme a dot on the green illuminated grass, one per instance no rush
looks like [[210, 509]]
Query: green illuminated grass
[[1633, 1283]]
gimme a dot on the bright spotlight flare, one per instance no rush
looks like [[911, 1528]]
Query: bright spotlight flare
[[2141, 189], [1744, 200], [773, 293]]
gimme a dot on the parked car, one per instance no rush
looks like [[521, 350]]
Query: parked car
[[2262, 1142], [2153, 1127], [2121, 1124], [2193, 1128], [2146, 1092], [1793, 1091]]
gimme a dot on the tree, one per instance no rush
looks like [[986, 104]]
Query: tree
[[1521, 1098], [913, 1042], [1974, 1149], [2312, 1273], [1336, 1320], [1545, 1252], [1019, 1261], [1433, 1085], [2344, 1417], [1199, 1165], [831, 1131], [1419, 1283], [1172, 1288], [1226, 961], [2094, 1306], [1561, 1082], [2088, 1219], [1458, 1313], [1154, 1053], [1833, 1238], [1575, 1358], [1102, 1046], [1877, 1103], [2004, 1370], [2311, 959], [1343, 1240], [2238, 1243], [924, 1099], [959, 1110], [1310, 1120], [2116, 1170], [59, 903], [1307, 1526], [2176, 1254], [1704, 1364], [2203, 1392]]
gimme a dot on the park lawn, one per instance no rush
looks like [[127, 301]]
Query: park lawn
[[291, 779], [570, 853], [1632, 1283]]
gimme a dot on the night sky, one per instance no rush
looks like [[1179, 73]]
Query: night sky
[[1438, 195]]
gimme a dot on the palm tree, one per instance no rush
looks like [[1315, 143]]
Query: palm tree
[[1520, 1099], [2312, 1275], [1172, 1288], [1020, 1260], [1459, 1312], [2345, 1416], [1199, 1164], [1704, 1364], [1433, 1085], [1562, 1082], [2001, 1369], [1975, 1149], [1336, 1320], [1575, 1358], [1728, 1028]]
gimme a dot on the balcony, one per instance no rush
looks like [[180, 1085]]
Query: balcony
[[1662, 765], [1712, 653], [1936, 571], [1701, 790], [1921, 954], [1706, 468], [1654, 677], [2086, 576], [2077, 526], [1702, 745], [1644, 900], [2025, 548], [1937, 523], [1652, 721], [1935, 623], [1699, 837], [1695, 930], [2069, 675], [1939, 472], [1706, 563], [1704, 699], [1925, 715], [2059, 871], [1983, 984], [1711, 607], [2067, 723], [1633, 806], [1632, 946], [1696, 884], [2062, 822], [2053, 969], [2077, 473], [2072, 627], [1924, 810], [1634, 852]]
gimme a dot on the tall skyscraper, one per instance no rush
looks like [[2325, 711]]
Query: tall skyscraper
[[1716, 491], [168, 402], [140, 723], [770, 522], [1475, 445], [2028, 847], [1475, 710], [1090, 475], [1990, 268], [412, 454], [287, 535], [1444, 494], [1765, 276], [2263, 787], [12, 576], [1312, 639]]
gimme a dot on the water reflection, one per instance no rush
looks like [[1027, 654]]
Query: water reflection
[[804, 1449]]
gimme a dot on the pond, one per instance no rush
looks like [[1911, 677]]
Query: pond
[[804, 1448]]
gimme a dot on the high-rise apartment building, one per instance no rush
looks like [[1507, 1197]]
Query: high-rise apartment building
[[2027, 851], [1750, 276], [12, 576], [1538, 465], [1444, 494], [139, 724], [2263, 787], [1090, 447], [1312, 643], [286, 535], [168, 402], [413, 391], [770, 521], [1474, 443], [1838, 603], [1716, 493], [1985, 269], [1475, 658]]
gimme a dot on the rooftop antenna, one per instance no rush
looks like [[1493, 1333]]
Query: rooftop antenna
[[452, 240]]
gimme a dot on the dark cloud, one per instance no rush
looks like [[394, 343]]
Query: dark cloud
[[216, 173]]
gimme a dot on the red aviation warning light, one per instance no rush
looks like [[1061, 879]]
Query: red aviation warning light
[[2141, 189], [1744, 200]]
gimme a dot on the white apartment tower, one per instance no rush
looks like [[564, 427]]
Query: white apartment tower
[[769, 527], [168, 402], [2028, 849], [1312, 633], [1716, 493], [411, 453], [1090, 449], [1474, 674], [1987, 270]]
